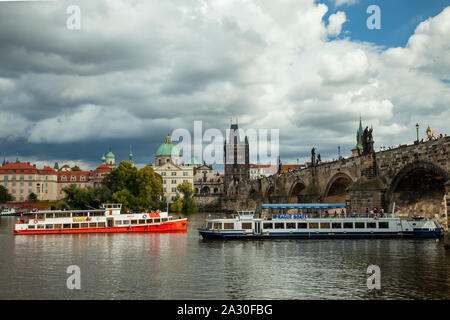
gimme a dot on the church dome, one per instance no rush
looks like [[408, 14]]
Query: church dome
[[110, 155], [168, 149]]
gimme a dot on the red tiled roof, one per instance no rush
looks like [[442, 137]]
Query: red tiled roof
[[18, 167]]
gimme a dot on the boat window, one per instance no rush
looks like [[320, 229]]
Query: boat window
[[302, 225], [40, 215], [324, 225], [164, 219], [371, 225], [336, 225], [48, 226], [246, 225], [217, 225], [75, 225], [118, 222], [359, 225], [157, 220], [79, 214], [133, 221], [383, 225], [348, 225], [93, 225], [290, 225], [57, 226], [84, 225], [149, 220], [101, 225], [210, 225], [40, 226], [228, 225], [66, 225], [142, 221], [31, 227], [126, 222], [50, 215], [62, 214], [268, 225], [96, 214], [313, 225], [279, 225]]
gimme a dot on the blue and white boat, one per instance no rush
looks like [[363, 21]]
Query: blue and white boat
[[313, 221]]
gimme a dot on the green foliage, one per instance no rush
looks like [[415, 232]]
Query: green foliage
[[137, 190], [32, 196], [177, 206], [5, 196], [75, 168], [188, 205], [63, 205]]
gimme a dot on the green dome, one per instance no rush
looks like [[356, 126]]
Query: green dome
[[168, 149], [110, 155]]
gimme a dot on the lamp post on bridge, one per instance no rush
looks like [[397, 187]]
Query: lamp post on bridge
[[417, 130]]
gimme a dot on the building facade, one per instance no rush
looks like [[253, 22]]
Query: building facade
[[206, 181]]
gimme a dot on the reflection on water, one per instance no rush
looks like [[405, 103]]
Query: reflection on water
[[184, 266]]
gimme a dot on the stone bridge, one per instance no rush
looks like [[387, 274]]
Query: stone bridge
[[415, 177]]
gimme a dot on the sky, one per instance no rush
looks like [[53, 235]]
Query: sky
[[137, 70]]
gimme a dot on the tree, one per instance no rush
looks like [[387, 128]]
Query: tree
[[5, 196], [177, 206], [75, 168], [32, 196], [80, 198], [188, 203]]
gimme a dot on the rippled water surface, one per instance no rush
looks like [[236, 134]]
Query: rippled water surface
[[183, 266]]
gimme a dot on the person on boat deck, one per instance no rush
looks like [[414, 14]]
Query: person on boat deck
[[367, 210]]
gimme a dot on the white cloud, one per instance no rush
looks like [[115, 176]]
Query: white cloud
[[142, 69]]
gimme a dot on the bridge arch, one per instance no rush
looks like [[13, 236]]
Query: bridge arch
[[336, 186], [295, 190], [418, 188], [269, 191]]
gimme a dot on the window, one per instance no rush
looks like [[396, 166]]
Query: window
[[84, 225], [118, 222], [30, 184], [66, 226], [336, 225], [21, 184], [217, 225], [164, 219], [22, 177], [228, 226], [174, 181], [58, 226], [6, 177], [142, 221], [313, 225], [93, 225], [359, 225], [302, 225], [348, 225], [49, 215], [149, 220], [246, 225], [30, 177], [126, 222], [31, 227], [101, 225], [371, 225], [174, 189], [324, 225], [279, 225], [164, 189], [210, 225], [163, 173], [290, 225], [75, 225], [383, 225], [164, 181], [174, 173], [62, 214], [134, 221], [268, 225], [185, 174], [158, 220], [48, 226], [40, 226]]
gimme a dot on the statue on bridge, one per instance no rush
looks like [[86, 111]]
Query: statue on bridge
[[367, 141], [313, 156]]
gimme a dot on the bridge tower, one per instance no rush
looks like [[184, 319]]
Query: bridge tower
[[236, 154]]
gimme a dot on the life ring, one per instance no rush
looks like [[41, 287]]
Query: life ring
[[144, 216], [36, 221]]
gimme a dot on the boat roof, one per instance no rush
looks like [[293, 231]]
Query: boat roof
[[303, 205]]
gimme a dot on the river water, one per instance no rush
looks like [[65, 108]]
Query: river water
[[183, 266]]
